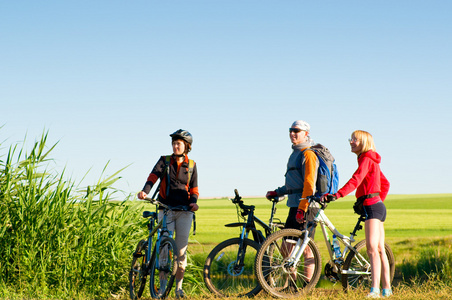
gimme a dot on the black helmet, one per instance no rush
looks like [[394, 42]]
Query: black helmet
[[182, 135]]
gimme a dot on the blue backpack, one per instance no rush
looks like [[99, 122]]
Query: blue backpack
[[327, 174]]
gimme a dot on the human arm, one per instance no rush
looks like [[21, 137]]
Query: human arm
[[310, 177], [384, 186], [193, 188], [364, 165], [155, 174]]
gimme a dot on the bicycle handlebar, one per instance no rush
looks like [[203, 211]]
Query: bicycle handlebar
[[323, 204], [178, 207], [238, 200]]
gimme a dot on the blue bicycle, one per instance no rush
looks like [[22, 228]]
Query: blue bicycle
[[155, 257]]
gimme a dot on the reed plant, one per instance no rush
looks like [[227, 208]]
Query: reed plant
[[57, 238]]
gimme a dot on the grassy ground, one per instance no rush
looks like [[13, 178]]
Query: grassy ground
[[415, 223]]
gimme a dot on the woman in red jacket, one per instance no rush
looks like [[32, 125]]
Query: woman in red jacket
[[371, 188]]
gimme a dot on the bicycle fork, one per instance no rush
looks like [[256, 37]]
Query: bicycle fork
[[162, 262], [297, 251]]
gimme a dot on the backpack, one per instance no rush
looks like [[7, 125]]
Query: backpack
[[327, 174], [191, 164]]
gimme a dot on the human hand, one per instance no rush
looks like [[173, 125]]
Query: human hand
[[194, 206], [142, 195], [300, 216], [327, 198], [330, 197], [271, 194]]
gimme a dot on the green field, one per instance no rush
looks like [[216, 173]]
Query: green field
[[409, 216]]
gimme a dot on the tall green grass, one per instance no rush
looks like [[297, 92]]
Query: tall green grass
[[431, 259], [58, 239]]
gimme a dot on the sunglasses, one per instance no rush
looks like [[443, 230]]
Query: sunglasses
[[296, 130]]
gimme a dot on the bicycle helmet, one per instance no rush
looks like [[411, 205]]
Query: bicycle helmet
[[182, 135]]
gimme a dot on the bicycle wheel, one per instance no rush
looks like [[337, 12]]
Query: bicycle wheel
[[224, 276], [361, 263], [163, 268], [138, 271], [277, 275]]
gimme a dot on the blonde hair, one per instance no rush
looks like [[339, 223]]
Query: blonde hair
[[365, 139]]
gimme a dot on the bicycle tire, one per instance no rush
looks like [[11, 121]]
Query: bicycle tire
[[138, 271], [224, 277], [162, 269], [352, 262], [275, 276]]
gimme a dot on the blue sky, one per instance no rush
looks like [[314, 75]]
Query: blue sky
[[110, 80]]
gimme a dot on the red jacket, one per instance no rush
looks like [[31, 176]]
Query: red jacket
[[367, 179]]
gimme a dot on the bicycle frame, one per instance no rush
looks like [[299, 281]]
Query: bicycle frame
[[230, 265], [325, 223], [251, 222], [153, 229], [160, 228]]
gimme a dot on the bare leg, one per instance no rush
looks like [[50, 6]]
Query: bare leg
[[309, 263], [385, 269], [373, 238], [286, 250]]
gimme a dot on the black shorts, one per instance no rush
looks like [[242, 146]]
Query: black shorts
[[292, 223], [375, 211]]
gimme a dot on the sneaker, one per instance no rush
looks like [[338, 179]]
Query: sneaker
[[180, 294], [373, 295], [386, 293]]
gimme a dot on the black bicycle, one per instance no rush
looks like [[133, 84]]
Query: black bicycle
[[229, 268], [155, 257]]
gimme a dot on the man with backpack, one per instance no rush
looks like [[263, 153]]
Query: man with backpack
[[301, 178]]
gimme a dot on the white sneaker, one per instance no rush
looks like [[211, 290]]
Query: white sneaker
[[373, 295]]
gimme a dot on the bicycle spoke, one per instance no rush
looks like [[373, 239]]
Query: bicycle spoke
[[277, 271], [163, 268], [357, 270], [225, 276]]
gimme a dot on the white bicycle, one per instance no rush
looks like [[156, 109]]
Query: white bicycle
[[288, 264]]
